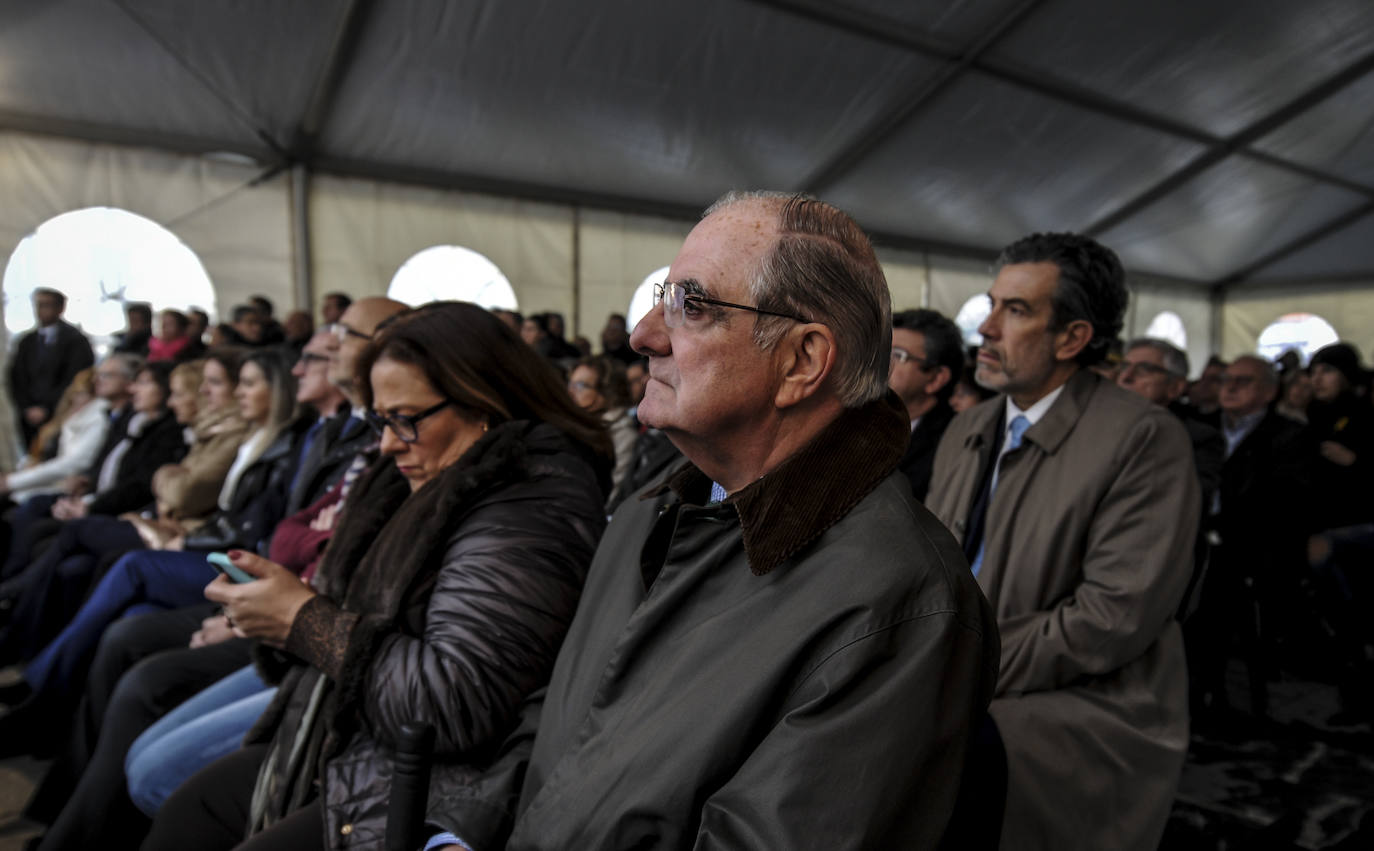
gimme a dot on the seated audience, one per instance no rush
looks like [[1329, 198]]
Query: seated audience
[[598, 386], [443, 597], [75, 433], [1260, 518], [143, 435], [779, 647], [174, 340], [927, 356], [162, 670], [251, 503], [1076, 503]]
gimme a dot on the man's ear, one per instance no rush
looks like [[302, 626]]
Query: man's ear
[[807, 354], [1072, 339], [937, 381]]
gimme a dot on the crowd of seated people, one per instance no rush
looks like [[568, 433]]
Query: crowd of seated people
[[821, 575]]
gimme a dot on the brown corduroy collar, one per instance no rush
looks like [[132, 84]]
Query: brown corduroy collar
[[811, 491]]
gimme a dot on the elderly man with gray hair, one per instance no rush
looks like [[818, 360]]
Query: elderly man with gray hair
[[778, 646]]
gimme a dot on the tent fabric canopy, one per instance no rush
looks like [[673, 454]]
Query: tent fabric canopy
[[1224, 143]]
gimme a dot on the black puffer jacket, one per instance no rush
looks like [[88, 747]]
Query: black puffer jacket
[[447, 606], [258, 503]]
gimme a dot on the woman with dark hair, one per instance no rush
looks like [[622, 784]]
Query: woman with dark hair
[[598, 385], [251, 501], [444, 596]]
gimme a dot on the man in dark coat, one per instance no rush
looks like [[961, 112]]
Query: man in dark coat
[[927, 356], [778, 647], [1260, 515], [44, 362]]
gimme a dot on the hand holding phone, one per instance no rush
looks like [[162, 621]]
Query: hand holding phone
[[221, 563]]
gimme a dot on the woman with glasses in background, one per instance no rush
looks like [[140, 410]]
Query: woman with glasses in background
[[598, 385], [449, 585]]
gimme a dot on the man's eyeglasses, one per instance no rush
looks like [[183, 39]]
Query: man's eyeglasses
[[405, 427], [1237, 380], [1143, 368], [903, 356], [342, 332], [675, 300]]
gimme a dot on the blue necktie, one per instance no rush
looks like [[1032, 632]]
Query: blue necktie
[[1018, 430]]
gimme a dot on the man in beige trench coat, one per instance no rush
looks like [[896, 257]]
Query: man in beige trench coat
[[1081, 539]]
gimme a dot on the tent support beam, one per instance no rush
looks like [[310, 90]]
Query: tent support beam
[[1294, 246], [912, 101], [1235, 144], [348, 33], [109, 134], [302, 266], [897, 33]]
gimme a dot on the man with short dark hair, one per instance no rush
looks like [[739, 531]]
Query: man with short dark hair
[[333, 306], [1076, 503], [138, 329], [246, 324], [45, 361], [615, 340], [778, 647], [927, 355]]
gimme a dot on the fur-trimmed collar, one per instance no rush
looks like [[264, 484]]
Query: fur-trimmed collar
[[783, 512]]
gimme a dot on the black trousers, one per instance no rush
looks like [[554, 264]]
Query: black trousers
[[210, 812], [142, 670]]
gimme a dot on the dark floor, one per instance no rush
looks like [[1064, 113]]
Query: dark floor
[[1293, 781]]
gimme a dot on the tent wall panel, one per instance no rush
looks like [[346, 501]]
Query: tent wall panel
[[953, 281], [615, 252], [908, 278], [1193, 306], [240, 231], [362, 231], [1349, 309]]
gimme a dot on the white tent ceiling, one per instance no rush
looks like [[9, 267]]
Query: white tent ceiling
[[1221, 142]]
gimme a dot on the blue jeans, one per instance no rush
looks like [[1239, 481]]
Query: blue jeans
[[195, 734], [141, 581]]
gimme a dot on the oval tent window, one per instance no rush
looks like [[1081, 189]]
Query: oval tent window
[[970, 316], [103, 258], [643, 299], [1305, 332], [452, 273], [1168, 326]]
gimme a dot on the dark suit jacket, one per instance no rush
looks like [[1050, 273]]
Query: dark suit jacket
[[160, 442], [39, 374], [327, 459], [1265, 495], [919, 460]]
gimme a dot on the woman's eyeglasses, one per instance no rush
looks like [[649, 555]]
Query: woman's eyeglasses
[[404, 426]]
